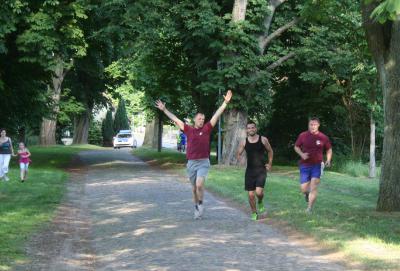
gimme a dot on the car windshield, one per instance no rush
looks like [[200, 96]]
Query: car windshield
[[124, 136]]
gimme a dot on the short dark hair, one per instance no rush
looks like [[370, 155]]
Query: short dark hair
[[2, 129], [251, 122], [314, 119], [199, 113]]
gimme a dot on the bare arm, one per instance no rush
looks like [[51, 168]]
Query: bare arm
[[240, 150], [221, 109], [328, 157], [303, 155], [160, 105], [270, 152], [12, 149]]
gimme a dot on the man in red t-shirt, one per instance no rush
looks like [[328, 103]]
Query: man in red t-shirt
[[310, 145], [198, 149]]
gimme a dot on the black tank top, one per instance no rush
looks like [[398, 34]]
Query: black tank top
[[5, 147], [255, 154]]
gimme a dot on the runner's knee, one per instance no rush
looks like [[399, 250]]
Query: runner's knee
[[305, 188], [251, 195]]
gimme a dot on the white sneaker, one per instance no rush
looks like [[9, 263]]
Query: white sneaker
[[6, 178], [201, 209], [308, 211], [196, 213]]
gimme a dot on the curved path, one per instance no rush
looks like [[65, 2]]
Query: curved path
[[120, 214]]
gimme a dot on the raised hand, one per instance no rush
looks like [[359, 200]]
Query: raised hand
[[160, 105], [228, 96]]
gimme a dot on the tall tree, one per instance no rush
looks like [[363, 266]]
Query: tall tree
[[53, 39], [382, 24], [107, 129], [121, 121]]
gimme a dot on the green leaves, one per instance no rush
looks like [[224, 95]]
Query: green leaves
[[54, 32], [386, 10]]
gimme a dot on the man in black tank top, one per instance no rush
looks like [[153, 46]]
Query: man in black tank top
[[256, 147]]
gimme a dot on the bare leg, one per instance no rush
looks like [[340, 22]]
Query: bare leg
[[314, 192], [195, 199], [252, 201], [260, 194], [200, 188]]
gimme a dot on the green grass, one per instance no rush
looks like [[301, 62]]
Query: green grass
[[25, 207], [344, 216], [355, 168]]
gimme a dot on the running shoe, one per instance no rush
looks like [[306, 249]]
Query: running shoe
[[201, 209], [309, 211], [196, 212], [261, 207], [254, 216]]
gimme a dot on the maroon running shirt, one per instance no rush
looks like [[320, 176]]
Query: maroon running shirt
[[198, 141], [314, 145]]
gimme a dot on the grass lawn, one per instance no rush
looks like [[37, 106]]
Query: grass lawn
[[24, 207], [344, 217]]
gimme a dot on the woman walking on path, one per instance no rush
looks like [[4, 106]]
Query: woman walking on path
[[6, 150], [24, 160]]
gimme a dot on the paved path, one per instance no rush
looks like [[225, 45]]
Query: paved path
[[121, 214]]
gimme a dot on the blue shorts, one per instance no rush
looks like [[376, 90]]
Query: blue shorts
[[309, 172]]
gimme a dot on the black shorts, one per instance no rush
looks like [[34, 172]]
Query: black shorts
[[255, 177]]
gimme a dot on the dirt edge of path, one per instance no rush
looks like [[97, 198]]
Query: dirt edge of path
[[68, 229]]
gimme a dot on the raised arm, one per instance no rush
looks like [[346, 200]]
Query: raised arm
[[160, 105], [270, 152], [240, 149], [217, 115]]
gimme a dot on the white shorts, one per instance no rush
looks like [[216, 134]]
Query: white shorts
[[24, 166]]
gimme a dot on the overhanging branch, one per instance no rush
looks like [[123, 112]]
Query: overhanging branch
[[265, 40], [280, 61]]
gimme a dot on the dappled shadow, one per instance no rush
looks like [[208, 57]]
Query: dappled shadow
[[143, 220]]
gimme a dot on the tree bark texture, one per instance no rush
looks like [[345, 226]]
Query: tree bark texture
[[384, 43]]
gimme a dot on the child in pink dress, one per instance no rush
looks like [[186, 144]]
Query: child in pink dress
[[24, 160]]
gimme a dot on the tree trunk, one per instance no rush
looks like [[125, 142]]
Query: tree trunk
[[49, 124], [235, 131], [372, 162], [160, 132], [384, 43], [81, 127], [151, 133]]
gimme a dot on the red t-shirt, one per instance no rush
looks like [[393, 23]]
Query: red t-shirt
[[314, 145], [198, 141]]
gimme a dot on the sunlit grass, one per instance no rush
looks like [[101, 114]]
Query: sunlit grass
[[344, 217], [24, 207]]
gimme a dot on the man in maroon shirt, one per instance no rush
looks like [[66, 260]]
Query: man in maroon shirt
[[198, 149], [310, 145]]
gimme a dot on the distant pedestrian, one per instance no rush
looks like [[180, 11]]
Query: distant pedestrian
[[178, 142], [24, 160], [6, 150], [182, 141]]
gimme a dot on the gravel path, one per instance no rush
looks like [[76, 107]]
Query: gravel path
[[121, 214]]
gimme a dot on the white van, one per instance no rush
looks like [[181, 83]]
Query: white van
[[124, 138]]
